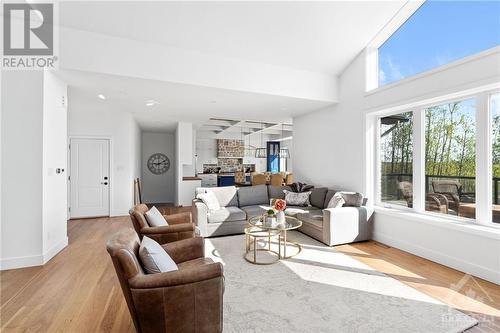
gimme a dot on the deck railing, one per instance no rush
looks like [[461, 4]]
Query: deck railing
[[391, 180]]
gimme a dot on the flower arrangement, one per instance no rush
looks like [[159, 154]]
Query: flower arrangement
[[279, 205]]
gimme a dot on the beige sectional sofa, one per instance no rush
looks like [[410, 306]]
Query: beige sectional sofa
[[332, 226]]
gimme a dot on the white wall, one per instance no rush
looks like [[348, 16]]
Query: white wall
[[33, 196], [21, 160], [55, 155], [329, 149], [158, 188], [91, 118]]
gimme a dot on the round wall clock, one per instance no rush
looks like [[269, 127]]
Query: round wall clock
[[158, 163]]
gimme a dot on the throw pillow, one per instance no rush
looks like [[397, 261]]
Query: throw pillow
[[154, 258], [336, 201], [210, 200], [297, 199], [353, 199], [154, 218]]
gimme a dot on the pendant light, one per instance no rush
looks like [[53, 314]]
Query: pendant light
[[262, 151], [284, 152]]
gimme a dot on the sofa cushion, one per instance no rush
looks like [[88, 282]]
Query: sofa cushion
[[276, 192], [210, 200], [317, 197], [253, 195], [154, 258], [154, 218], [313, 218], [352, 199], [294, 210], [329, 195], [337, 201], [226, 195], [226, 214], [255, 210]]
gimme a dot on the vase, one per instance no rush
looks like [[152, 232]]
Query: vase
[[280, 217], [270, 221]]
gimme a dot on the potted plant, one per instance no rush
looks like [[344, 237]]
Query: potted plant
[[270, 217], [279, 207]]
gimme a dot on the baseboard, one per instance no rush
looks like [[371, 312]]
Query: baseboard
[[30, 261], [453, 262], [21, 262], [50, 253]]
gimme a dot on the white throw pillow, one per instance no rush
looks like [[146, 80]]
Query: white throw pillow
[[154, 218], [210, 200], [297, 199], [336, 201], [154, 258]]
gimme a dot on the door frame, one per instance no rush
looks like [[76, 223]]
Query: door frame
[[111, 171]]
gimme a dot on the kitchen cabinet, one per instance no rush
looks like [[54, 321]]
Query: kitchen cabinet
[[225, 180], [208, 180]]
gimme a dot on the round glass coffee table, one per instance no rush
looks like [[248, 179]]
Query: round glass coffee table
[[259, 229]]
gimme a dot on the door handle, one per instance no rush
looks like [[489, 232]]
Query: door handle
[[105, 183]]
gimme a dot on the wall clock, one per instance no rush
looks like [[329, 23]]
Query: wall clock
[[158, 163]]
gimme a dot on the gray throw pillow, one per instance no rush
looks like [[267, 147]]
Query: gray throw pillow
[[154, 218], [353, 199], [154, 258], [297, 199]]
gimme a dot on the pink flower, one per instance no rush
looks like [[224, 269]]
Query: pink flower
[[280, 204]]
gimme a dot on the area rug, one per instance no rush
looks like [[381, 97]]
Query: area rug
[[322, 290]]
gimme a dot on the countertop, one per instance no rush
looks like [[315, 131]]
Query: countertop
[[191, 178]]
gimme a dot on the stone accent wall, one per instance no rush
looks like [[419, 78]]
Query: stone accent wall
[[230, 164], [230, 148]]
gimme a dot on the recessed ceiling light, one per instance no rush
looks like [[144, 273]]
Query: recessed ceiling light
[[151, 102], [101, 96], [213, 101]]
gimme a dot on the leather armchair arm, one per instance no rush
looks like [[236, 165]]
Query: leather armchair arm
[[186, 249], [178, 218], [175, 278]]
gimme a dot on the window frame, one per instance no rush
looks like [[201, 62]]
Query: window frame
[[484, 169]]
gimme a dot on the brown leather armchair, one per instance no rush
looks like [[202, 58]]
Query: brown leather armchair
[[179, 226], [187, 300]]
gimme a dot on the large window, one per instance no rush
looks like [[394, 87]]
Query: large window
[[438, 33], [495, 140], [450, 158], [396, 159], [436, 158]]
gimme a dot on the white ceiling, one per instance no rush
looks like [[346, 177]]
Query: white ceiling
[[317, 36], [314, 36], [180, 102]]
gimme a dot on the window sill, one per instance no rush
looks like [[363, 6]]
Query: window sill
[[447, 222]]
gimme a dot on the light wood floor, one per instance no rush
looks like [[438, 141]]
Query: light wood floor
[[77, 291]]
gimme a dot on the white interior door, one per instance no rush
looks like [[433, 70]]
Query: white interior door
[[89, 177]]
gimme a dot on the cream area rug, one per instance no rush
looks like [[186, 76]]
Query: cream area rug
[[322, 290]]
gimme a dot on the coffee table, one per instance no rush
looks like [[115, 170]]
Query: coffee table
[[259, 229]]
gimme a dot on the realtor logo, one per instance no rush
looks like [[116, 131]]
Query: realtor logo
[[28, 29]]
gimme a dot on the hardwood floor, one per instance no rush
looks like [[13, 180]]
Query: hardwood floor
[[77, 291]]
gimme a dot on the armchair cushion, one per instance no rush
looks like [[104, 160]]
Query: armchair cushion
[[154, 218], [154, 258]]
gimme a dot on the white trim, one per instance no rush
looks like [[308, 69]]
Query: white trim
[[54, 250], [111, 170], [439, 257], [456, 63], [484, 175], [418, 142], [442, 221], [21, 262]]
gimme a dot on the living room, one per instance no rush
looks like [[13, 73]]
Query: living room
[[250, 166]]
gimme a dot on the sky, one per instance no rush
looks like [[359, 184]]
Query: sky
[[438, 33]]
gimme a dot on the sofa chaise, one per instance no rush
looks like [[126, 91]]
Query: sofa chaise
[[332, 226]]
